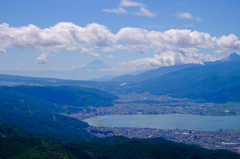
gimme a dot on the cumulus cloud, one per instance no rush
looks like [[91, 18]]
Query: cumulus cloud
[[127, 3], [230, 41], [167, 58], [174, 38], [144, 12], [170, 47], [62, 36], [186, 15], [119, 10]]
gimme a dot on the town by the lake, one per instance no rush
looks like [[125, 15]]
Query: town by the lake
[[138, 104]]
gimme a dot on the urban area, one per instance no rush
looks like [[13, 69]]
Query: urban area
[[150, 104]]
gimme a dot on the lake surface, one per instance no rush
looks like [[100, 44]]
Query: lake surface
[[167, 121]]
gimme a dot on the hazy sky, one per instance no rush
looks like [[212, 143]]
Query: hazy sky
[[127, 35]]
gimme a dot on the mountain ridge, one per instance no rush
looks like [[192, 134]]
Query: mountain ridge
[[150, 74], [213, 83]]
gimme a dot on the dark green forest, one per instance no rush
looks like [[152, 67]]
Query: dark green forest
[[16, 142], [39, 109]]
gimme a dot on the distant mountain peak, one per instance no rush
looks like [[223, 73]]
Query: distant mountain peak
[[234, 57], [96, 65]]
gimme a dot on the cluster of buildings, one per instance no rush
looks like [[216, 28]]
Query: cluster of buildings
[[150, 104], [220, 139]]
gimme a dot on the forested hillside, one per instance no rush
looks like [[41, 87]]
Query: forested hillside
[[218, 82], [39, 109], [105, 148]]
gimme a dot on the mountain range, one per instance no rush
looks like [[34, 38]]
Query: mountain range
[[217, 81], [168, 69]]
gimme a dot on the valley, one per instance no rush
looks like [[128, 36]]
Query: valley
[[55, 109], [146, 103], [139, 104]]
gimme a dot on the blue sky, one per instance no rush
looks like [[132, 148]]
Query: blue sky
[[128, 35]]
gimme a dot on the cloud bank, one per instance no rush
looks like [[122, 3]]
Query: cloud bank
[[62, 36], [170, 47]]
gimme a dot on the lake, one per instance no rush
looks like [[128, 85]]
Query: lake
[[167, 121]]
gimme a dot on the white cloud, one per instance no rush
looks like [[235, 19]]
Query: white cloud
[[170, 47], [225, 43], [119, 10], [127, 3], [42, 59], [144, 12], [186, 15], [167, 58], [62, 36], [171, 39]]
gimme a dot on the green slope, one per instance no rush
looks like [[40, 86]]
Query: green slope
[[13, 130], [25, 147], [33, 109], [39, 108], [63, 95], [152, 73], [17, 142], [48, 129], [214, 83]]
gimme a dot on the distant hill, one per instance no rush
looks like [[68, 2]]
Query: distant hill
[[218, 82], [234, 57], [13, 80], [63, 95], [151, 74], [96, 65]]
